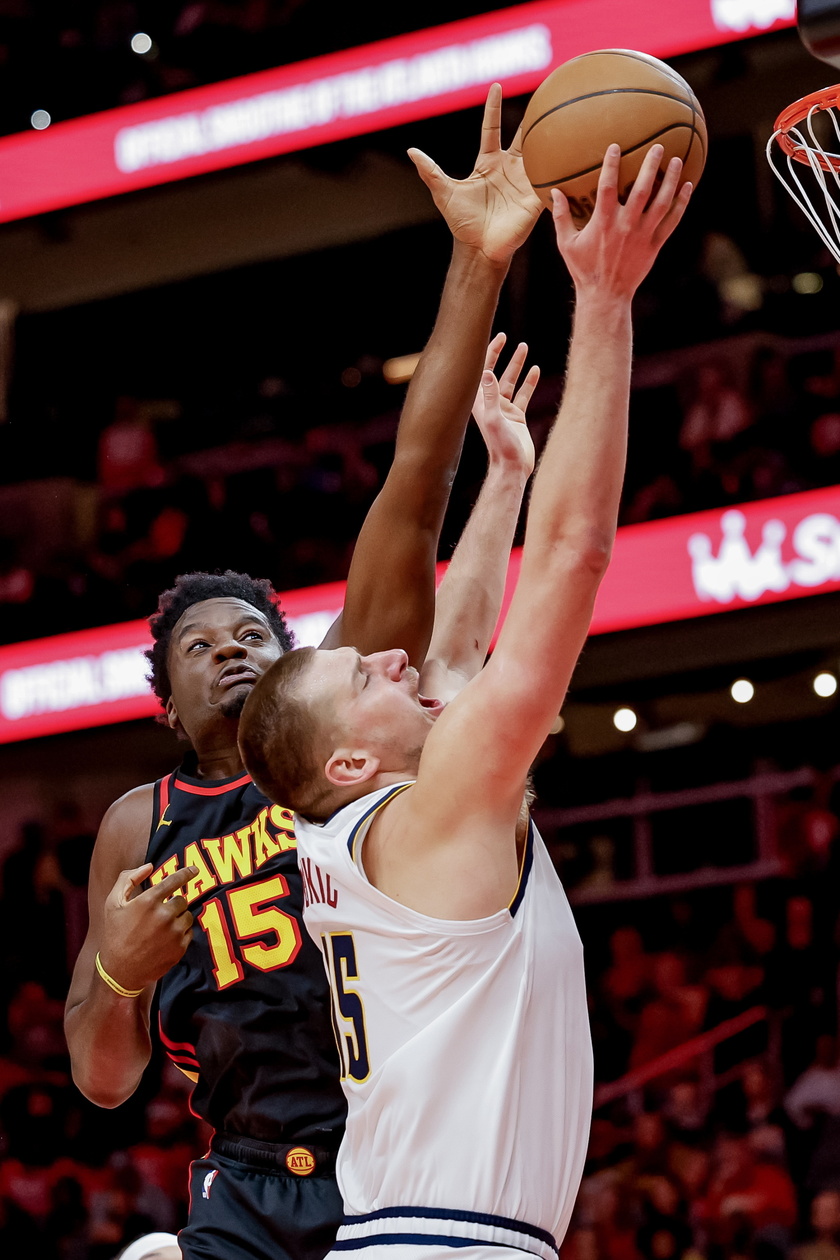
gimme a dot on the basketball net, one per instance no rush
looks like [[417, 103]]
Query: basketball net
[[793, 146]]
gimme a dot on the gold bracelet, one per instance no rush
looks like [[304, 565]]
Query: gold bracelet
[[112, 984]]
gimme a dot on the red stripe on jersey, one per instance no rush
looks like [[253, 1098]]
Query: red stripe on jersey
[[213, 791], [162, 800], [174, 1045], [186, 1065], [163, 795]]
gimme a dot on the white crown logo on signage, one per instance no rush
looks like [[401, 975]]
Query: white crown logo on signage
[[745, 15], [735, 572]]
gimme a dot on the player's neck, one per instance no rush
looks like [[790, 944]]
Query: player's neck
[[385, 779], [217, 759]]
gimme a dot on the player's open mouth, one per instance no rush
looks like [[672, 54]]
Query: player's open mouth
[[433, 706]]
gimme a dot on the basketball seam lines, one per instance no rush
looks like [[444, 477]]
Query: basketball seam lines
[[642, 59], [555, 183], [609, 92]]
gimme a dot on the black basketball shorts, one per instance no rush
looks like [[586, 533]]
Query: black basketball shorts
[[255, 1201]]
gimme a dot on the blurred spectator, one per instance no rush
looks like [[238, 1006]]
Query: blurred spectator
[[686, 1109], [816, 1092], [807, 828], [128, 455], [673, 1015], [825, 1228], [747, 938], [748, 1191], [823, 455], [717, 413]]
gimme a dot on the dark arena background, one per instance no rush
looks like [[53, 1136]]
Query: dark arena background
[[214, 281]]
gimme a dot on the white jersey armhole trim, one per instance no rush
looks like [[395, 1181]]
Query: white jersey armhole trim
[[355, 849]]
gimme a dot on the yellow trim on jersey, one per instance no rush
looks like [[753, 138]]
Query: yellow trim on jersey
[[371, 814], [524, 862], [193, 1076]]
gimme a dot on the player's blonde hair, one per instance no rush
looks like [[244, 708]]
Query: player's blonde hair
[[281, 738]]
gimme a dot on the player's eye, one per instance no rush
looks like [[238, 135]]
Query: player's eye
[[256, 634], [197, 644]]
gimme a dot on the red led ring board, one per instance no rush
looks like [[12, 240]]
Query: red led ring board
[[661, 571], [349, 93]]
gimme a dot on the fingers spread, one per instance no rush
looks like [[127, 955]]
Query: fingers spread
[[494, 349], [564, 227], [645, 180], [664, 198], [607, 198], [527, 388], [676, 212], [491, 127], [427, 169], [508, 378]]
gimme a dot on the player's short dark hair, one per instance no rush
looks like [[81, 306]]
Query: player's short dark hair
[[280, 740], [193, 588]]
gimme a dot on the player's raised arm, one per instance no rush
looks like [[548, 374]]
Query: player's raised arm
[[391, 584], [470, 596], [487, 738], [132, 939]]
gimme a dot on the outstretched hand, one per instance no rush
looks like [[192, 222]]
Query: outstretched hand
[[616, 249], [495, 207], [500, 413]]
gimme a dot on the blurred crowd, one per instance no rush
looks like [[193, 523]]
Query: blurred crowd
[[76, 1182], [731, 1150], [749, 418], [726, 1150]]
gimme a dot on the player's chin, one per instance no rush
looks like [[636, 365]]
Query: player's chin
[[232, 705]]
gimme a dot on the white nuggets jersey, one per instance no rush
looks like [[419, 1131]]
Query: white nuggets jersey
[[465, 1050]]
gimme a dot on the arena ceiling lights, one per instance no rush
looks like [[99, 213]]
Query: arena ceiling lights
[[349, 93], [661, 571]]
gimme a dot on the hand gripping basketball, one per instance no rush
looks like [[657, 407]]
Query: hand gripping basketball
[[616, 249], [145, 933]]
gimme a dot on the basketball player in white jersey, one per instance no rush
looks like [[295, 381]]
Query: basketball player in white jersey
[[455, 966]]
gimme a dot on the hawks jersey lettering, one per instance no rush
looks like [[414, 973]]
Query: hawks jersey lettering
[[465, 1046], [245, 1012]]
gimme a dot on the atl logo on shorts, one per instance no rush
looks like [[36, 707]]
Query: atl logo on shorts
[[300, 1161]]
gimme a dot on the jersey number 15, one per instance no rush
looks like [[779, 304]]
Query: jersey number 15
[[347, 1008]]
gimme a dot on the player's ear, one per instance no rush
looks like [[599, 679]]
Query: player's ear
[[348, 767], [173, 721]]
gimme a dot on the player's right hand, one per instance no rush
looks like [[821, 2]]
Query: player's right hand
[[495, 207], [617, 247], [145, 933]]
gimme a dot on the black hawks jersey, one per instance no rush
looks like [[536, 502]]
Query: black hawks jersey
[[245, 1013]]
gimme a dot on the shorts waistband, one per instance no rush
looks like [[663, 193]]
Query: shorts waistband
[[402, 1226], [297, 1159]]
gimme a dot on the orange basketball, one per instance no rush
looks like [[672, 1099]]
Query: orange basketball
[[614, 96]]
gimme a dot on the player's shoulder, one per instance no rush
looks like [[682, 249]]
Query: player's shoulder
[[126, 824]]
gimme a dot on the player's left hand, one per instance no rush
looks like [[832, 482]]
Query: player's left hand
[[500, 412], [495, 207]]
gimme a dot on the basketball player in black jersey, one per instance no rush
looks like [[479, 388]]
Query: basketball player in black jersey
[[243, 1002]]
